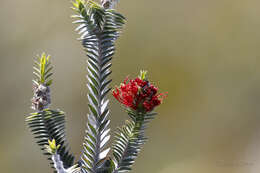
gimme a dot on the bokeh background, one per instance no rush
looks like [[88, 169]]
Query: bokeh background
[[204, 53]]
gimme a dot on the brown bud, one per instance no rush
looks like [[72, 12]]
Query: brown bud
[[41, 97]]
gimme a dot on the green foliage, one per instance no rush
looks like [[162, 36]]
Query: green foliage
[[129, 140], [50, 124], [99, 28], [42, 70]]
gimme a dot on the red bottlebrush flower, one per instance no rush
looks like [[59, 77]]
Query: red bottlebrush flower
[[138, 94]]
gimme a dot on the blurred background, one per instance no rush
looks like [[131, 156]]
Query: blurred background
[[204, 53]]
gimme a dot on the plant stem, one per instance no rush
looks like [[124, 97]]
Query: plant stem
[[58, 164]]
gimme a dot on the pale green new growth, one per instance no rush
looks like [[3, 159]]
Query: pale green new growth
[[42, 70], [52, 148], [143, 74]]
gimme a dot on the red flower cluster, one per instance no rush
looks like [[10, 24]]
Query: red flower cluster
[[138, 95]]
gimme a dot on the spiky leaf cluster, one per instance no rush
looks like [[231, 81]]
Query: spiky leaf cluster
[[129, 140], [50, 124], [99, 28]]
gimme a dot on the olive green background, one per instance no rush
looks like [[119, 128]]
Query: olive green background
[[204, 53]]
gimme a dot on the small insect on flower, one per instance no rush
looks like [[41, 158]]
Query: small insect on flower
[[138, 94]]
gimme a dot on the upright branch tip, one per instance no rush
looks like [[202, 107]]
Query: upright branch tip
[[41, 90]]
